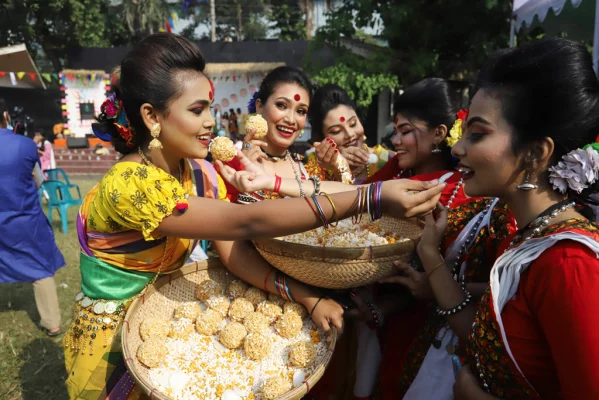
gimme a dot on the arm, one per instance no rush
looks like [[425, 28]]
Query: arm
[[242, 259], [38, 177], [218, 220]]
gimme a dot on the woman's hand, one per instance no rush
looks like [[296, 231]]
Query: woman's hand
[[252, 179], [326, 313], [432, 233], [252, 148], [327, 153], [356, 157], [416, 282], [466, 387], [404, 198]]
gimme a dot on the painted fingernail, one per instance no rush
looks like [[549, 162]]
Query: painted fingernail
[[336, 151]]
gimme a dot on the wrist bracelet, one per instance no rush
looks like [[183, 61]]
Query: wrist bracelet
[[432, 271], [278, 181], [456, 309], [314, 308]]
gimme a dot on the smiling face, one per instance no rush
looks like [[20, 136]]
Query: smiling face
[[285, 111], [413, 141], [487, 161], [187, 124], [344, 127]]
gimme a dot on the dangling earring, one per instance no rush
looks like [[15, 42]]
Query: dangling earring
[[527, 186], [436, 150], [301, 134], [155, 143]]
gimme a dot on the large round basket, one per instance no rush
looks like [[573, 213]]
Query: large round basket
[[161, 299], [342, 267]]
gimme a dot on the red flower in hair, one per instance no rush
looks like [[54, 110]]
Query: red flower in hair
[[463, 114], [109, 108], [597, 139]]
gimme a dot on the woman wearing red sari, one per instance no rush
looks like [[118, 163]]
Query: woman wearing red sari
[[531, 140]]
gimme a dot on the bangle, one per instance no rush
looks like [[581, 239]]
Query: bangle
[[266, 279], [312, 207], [357, 218], [432, 271], [314, 308], [323, 217], [316, 181], [278, 181], [456, 309], [335, 216]]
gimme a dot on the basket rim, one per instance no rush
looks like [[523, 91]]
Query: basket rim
[[194, 267]]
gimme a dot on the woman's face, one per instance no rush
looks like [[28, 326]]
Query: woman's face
[[413, 141], [38, 138], [343, 126], [489, 166], [187, 126], [285, 111]]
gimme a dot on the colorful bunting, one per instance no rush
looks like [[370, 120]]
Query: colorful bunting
[[20, 75], [32, 75], [2, 73]]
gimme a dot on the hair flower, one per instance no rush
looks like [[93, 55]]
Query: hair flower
[[577, 171], [456, 130], [252, 103]]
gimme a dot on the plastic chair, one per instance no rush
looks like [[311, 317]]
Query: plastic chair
[[56, 175], [61, 199]]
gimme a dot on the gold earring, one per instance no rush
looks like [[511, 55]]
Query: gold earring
[[155, 132]]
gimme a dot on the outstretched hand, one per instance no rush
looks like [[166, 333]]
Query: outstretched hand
[[404, 198], [252, 179]]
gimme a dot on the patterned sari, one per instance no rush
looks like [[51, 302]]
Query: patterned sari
[[120, 255]]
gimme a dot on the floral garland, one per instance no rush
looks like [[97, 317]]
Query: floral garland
[[112, 109], [456, 130], [578, 169]]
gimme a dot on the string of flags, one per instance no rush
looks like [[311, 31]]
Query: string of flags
[[234, 78], [84, 77]]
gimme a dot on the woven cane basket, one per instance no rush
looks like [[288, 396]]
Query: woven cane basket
[[161, 299], [342, 267]]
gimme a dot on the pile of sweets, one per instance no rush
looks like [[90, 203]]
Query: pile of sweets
[[346, 234], [235, 343]]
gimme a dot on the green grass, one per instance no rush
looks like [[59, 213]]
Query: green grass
[[31, 363]]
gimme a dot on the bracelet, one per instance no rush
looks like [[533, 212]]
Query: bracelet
[[266, 279], [456, 309], [432, 271], [323, 217], [377, 314], [314, 308], [335, 216], [316, 180], [357, 218], [313, 209], [278, 181], [282, 288]]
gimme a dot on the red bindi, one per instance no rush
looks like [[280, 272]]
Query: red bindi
[[211, 92], [342, 119], [297, 97], [210, 95]]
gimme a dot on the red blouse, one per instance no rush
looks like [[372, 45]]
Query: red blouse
[[551, 324]]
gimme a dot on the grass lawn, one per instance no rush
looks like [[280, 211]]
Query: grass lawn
[[31, 363]]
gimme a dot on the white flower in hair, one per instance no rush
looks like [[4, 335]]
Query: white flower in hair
[[577, 171]]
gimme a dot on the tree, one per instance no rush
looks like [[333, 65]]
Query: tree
[[143, 17], [433, 37], [287, 17], [48, 28]]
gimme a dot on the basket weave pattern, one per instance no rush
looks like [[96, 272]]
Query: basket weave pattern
[[342, 267], [161, 299]]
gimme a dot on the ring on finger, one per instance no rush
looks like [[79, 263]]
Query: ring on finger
[[247, 145]]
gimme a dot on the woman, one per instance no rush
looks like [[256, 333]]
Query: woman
[[45, 151], [283, 100], [147, 212], [28, 251], [531, 141], [336, 126]]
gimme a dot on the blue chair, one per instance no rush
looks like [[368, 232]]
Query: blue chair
[[56, 175], [61, 199]]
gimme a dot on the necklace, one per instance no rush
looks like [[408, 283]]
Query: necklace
[[277, 158], [298, 177], [148, 162], [541, 222]]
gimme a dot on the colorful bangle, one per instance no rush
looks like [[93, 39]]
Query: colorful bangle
[[335, 215], [323, 217], [312, 207], [356, 217], [278, 181]]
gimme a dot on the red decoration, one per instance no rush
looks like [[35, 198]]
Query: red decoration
[[182, 207], [342, 119], [71, 76], [31, 75], [168, 27], [597, 139], [463, 114], [297, 97], [278, 182], [211, 93], [2, 73]]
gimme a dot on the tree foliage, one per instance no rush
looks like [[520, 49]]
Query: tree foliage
[[287, 17], [448, 38]]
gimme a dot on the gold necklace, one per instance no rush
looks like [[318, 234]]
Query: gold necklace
[[148, 162]]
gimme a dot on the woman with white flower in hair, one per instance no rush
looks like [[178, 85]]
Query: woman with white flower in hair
[[531, 140]]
